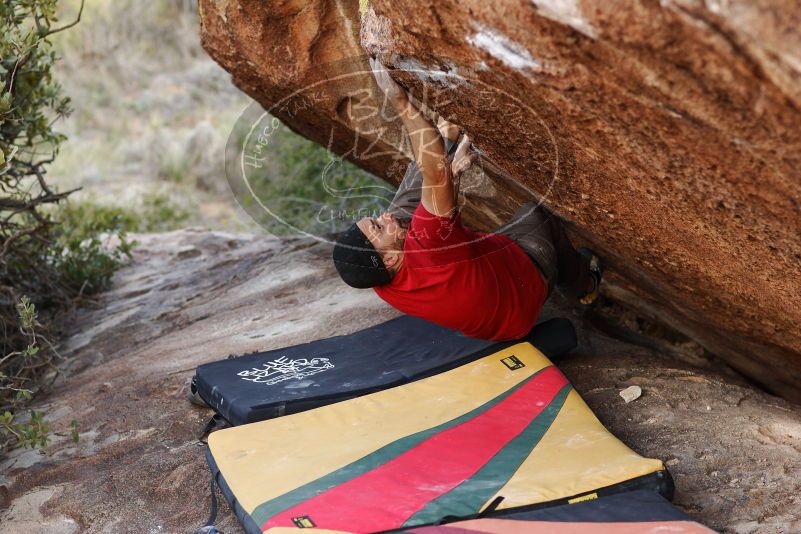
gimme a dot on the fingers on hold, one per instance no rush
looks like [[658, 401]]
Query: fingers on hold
[[463, 147]]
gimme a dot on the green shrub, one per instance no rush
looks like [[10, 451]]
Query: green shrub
[[87, 217], [158, 214], [312, 189], [31, 433], [86, 263], [44, 265], [19, 369]]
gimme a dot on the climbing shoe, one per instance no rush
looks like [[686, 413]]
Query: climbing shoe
[[596, 273]]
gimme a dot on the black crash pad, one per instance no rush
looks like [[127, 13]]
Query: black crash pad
[[270, 384]]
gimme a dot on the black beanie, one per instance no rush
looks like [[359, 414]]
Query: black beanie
[[358, 262]]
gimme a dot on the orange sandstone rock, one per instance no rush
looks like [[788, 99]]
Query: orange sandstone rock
[[666, 133]]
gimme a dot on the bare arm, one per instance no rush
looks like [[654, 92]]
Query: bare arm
[[439, 194]]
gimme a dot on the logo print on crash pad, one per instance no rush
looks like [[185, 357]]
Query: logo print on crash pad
[[283, 368], [303, 522], [513, 362]]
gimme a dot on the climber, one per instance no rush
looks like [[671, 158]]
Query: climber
[[419, 257]]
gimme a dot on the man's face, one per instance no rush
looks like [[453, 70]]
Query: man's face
[[385, 233]]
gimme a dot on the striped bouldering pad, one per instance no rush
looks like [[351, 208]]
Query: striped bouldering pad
[[631, 512], [508, 425], [279, 382]]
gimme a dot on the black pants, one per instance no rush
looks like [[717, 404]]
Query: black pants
[[541, 235]]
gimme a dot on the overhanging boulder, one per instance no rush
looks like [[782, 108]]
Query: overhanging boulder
[[667, 133]]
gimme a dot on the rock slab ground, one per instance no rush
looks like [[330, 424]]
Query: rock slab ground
[[192, 296]]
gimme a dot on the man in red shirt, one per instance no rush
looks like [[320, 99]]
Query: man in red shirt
[[419, 257]]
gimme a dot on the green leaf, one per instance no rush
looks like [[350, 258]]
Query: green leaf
[[5, 102], [30, 351], [75, 435]]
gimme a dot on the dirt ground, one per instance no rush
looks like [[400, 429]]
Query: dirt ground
[[194, 296]]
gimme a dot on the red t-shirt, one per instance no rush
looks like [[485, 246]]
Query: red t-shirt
[[483, 285]]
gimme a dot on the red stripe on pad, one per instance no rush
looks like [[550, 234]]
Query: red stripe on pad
[[387, 496]]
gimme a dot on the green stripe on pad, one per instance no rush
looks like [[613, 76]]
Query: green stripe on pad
[[375, 459], [467, 498]]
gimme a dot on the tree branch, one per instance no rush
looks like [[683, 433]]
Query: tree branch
[[70, 25], [37, 169], [10, 203]]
